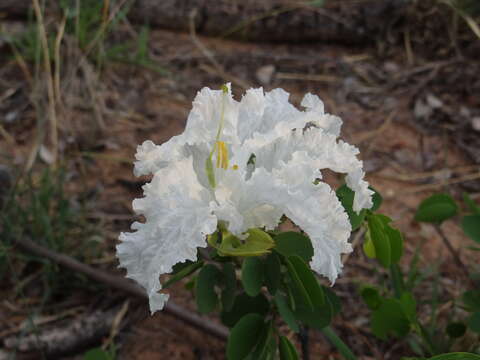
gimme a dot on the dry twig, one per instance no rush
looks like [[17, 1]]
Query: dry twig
[[217, 330]]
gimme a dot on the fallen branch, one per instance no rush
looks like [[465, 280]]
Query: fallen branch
[[67, 339], [217, 330]]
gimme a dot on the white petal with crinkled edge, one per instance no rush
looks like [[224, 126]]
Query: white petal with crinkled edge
[[239, 205], [316, 113], [324, 152], [208, 108], [151, 157], [314, 208], [178, 218]]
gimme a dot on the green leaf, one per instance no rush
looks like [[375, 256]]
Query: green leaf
[[436, 209], [317, 3], [97, 354], [368, 247], [471, 227], [371, 297], [394, 236], [309, 280], [389, 318], [456, 329], [286, 349], [298, 284], [293, 243], [286, 313], [230, 286], [244, 336], [243, 305], [474, 208], [456, 356], [333, 300], [186, 270], [409, 306], [272, 273], [471, 300], [377, 199], [396, 243], [252, 275], [262, 349], [257, 243], [380, 240], [318, 318], [474, 322], [396, 278], [346, 196], [205, 288]]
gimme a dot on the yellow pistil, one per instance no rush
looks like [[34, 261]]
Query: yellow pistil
[[219, 147], [235, 167]]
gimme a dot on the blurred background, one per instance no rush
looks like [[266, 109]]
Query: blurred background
[[83, 82]]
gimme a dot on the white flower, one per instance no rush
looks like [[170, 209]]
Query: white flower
[[246, 164]]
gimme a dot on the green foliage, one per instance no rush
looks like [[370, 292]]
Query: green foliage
[[471, 300], [474, 322], [244, 304], [371, 297], [286, 313], [436, 209], [93, 28], [272, 273], [266, 345], [257, 243], [229, 286], [179, 273], [383, 242], [286, 349], [252, 275], [456, 329], [38, 209], [98, 354], [293, 243], [346, 196], [377, 200], [305, 282], [389, 318], [456, 356], [244, 336], [207, 298], [471, 227]]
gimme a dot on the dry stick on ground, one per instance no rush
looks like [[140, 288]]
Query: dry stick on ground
[[455, 254], [217, 330], [66, 339]]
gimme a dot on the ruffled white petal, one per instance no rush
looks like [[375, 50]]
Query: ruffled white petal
[[209, 108], [324, 152], [240, 206], [314, 208], [177, 219]]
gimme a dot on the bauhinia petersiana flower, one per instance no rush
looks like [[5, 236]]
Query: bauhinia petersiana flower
[[241, 165]]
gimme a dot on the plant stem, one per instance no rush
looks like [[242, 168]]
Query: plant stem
[[304, 340], [455, 254], [338, 343], [396, 278]]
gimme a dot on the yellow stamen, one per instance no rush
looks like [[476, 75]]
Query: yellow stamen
[[235, 167], [222, 154]]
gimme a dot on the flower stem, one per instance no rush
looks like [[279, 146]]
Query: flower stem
[[338, 343]]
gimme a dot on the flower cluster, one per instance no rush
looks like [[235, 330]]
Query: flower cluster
[[242, 165]]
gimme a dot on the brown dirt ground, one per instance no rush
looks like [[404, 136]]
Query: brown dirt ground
[[403, 162]]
